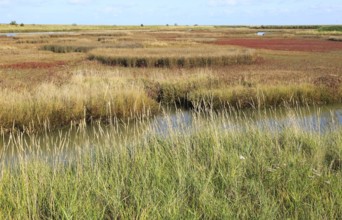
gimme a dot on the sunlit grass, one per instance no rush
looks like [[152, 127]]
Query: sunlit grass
[[201, 171], [83, 98]]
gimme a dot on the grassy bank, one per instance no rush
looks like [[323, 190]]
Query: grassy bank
[[241, 97], [173, 57], [67, 49], [207, 173], [84, 98], [100, 95]]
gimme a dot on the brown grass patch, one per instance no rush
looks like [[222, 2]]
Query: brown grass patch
[[35, 65], [311, 45]]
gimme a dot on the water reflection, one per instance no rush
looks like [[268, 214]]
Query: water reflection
[[313, 119]]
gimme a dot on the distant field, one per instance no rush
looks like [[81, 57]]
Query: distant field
[[195, 64], [7, 28]]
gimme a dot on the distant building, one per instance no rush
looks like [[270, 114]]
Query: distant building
[[261, 33]]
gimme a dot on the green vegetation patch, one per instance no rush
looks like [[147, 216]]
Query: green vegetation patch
[[331, 28]]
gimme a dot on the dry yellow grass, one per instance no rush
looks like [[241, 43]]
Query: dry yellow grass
[[84, 97]]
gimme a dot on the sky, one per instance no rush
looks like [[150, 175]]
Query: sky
[[182, 12]]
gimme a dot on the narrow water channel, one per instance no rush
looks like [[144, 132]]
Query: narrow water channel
[[70, 141]]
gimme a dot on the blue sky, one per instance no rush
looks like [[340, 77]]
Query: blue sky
[[182, 12]]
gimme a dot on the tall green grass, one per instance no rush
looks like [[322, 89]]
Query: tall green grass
[[202, 172]]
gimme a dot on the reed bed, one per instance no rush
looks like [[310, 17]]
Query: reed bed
[[198, 172], [67, 48], [263, 96], [59, 48], [32, 41], [84, 98], [173, 57], [91, 95]]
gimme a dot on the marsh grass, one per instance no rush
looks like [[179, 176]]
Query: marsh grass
[[103, 94], [173, 57], [67, 48], [37, 85], [203, 172], [32, 41], [84, 98], [264, 96], [224, 165]]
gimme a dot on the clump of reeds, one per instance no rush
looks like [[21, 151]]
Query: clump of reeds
[[84, 98], [67, 48], [173, 57], [177, 92], [32, 41], [241, 97]]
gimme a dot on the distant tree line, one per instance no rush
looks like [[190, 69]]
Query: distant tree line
[[16, 24]]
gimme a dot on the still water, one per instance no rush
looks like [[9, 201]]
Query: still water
[[68, 142]]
